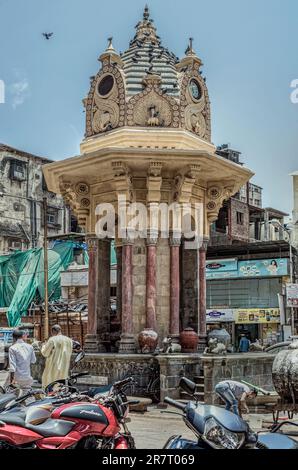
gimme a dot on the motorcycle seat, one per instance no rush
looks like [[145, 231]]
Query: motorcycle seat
[[6, 398], [16, 418], [52, 428], [49, 428]]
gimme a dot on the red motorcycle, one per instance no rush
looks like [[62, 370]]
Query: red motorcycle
[[69, 422]]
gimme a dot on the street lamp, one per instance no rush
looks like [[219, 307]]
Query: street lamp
[[288, 230]]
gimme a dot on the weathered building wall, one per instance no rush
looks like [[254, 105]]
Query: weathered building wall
[[21, 196], [239, 231]]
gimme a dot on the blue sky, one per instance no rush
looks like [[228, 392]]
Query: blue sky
[[249, 50]]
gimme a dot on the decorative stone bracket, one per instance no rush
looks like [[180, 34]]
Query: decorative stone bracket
[[217, 193], [183, 184], [77, 197], [122, 180], [154, 181]]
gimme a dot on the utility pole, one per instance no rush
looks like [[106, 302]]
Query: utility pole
[[46, 272]]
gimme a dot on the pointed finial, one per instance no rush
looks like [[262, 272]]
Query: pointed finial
[[146, 13], [189, 50], [110, 47]]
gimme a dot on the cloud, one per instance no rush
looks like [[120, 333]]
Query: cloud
[[20, 91]]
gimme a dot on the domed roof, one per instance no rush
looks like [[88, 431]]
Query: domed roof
[[148, 86], [146, 54]]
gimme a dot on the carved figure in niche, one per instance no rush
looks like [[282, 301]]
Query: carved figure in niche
[[153, 116], [103, 121], [198, 123]]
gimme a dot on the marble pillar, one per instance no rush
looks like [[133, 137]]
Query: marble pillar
[[97, 338], [202, 332], [119, 283], [151, 321], [127, 341], [174, 327]]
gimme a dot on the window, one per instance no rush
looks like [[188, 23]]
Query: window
[[18, 170], [240, 218], [52, 218]]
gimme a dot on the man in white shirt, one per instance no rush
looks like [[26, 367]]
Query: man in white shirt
[[21, 356]]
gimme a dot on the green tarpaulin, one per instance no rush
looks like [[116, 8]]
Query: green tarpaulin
[[22, 276]]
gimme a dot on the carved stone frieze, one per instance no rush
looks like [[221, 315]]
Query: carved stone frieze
[[105, 111], [195, 113]]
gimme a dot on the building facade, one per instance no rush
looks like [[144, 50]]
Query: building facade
[[147, 141], [295, 209], [22, 189], [243, 219]]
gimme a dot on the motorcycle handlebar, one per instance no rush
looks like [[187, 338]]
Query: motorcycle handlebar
[[123, 382], [176, 404]]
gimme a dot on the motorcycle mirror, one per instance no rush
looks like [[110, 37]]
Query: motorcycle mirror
[[187, 385], [79, 357]]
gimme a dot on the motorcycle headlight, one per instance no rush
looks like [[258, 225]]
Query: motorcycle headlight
[[220, 438]]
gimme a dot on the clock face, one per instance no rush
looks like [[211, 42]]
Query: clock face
[[106, 85], [195, 90]]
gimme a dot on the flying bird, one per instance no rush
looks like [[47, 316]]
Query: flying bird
[[47, 35]]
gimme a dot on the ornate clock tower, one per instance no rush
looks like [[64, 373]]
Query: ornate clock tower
[[148, 140]]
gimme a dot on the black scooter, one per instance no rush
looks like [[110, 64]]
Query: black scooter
[[217, 428]]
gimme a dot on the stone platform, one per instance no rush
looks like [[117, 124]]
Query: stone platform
[[164, 371]]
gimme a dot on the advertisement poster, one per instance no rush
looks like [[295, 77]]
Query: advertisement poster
[[292, 295], [257, 315], [220, 315], [221, 269]]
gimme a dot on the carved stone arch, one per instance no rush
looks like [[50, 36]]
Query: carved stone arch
[[152, 108], [104, 113], [195, 115]]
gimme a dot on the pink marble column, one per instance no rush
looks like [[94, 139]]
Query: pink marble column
[[151, 284], [127, 342], [202, 296], [174, 288], [92, 246]]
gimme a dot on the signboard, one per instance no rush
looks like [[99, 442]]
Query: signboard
[[292, 295], [219, 315], [227, 269], [6, 335], [257, 315]]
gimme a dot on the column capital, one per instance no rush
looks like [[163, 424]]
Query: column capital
[[152, 238], [204, 244], [175, 239]]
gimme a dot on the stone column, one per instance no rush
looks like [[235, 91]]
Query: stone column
[[127, 342], [202, 332], [151, 284], [119, 282], [174, 329], [97, 338]]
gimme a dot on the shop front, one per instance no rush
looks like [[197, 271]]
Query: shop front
[[248, 290], [258, 324]]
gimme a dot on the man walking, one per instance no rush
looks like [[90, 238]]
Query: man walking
[[234, 393], [21, 356], [57, 352]]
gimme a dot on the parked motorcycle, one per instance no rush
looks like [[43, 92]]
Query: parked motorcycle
[[69, 422], [217, 428], [9, 393]]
